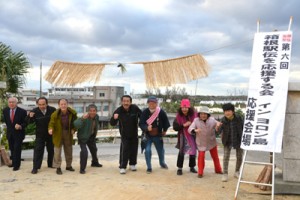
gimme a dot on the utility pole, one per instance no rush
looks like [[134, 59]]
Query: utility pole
[[41, 66]]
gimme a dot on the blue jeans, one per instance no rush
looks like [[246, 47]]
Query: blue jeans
[[159, 145]]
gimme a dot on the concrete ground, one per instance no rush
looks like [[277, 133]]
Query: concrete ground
[[107, 183]]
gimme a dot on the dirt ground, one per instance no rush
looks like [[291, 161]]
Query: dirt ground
[[107, 183]]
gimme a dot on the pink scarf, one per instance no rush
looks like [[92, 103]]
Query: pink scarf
[[189, 146], [153, 116]]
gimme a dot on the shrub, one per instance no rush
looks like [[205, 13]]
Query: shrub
[[4, 141]]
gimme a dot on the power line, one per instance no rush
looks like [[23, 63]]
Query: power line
[[204, 52], [226, 46]]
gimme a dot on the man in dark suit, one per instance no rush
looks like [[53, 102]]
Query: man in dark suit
[[41, 117], [14, 118]]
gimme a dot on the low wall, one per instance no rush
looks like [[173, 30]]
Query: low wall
[[291, 138]]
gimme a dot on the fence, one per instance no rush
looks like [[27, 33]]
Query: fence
[[102, 134]]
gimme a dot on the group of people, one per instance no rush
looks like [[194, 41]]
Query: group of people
[[197, 132], [55, 128], [154, 123]]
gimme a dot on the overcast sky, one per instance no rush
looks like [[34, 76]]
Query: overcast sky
[[144, 30]]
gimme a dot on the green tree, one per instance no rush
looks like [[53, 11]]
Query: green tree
[[13, 67]]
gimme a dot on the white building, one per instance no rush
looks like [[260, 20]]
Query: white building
[[27, 98]]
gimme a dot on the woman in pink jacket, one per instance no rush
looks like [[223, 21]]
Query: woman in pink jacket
[[203, 127], [185, 141]]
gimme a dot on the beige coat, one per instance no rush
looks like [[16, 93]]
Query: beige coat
[[206, 139]]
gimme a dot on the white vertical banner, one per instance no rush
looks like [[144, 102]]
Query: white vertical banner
[[267, 95]]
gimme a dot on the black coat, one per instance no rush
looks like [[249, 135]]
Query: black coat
[[19, 118], [162, 121], [232, 131], [41, 120], [128, 121]]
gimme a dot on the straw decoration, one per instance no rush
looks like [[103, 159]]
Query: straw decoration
[[70, 74], [157, 73], [174, 71]]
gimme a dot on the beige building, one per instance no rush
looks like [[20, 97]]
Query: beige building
[[106, 98]]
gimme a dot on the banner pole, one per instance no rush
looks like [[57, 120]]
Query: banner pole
[[273, 175], [240, 177]]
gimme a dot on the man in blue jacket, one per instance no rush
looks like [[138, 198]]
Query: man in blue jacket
[[155, 123]]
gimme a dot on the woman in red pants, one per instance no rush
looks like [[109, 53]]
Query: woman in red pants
[[204, 127]]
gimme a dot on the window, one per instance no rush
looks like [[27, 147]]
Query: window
[[31, 99], [101, 94], [98, 108], [78, 109], [105, 108]]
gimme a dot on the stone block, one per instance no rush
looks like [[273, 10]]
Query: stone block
[[291, 138], [285, 187], [294, 86], [293, 103], [291, 170]]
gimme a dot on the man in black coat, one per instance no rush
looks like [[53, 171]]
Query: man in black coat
[[127, 116], [41, 117], [14, 118]]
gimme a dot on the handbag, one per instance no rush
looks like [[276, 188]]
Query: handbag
[[153, 132], [144, 140]]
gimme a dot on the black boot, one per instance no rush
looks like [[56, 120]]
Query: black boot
[[193, 170], [179, 172]]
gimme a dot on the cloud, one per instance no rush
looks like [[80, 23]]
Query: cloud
[[133, 30]]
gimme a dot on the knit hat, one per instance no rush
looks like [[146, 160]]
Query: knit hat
[[152, 99], [185, 103]]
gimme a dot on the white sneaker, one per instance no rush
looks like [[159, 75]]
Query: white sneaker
[[236, 174], [122, 171], [225, 177], [132, 168]]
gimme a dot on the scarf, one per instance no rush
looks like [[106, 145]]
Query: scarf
[[186, 141], [153, 116]]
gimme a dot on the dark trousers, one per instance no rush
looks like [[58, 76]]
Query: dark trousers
[[128, 151], [38, 154], [180, 160], [91, 144], [15, 146]]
